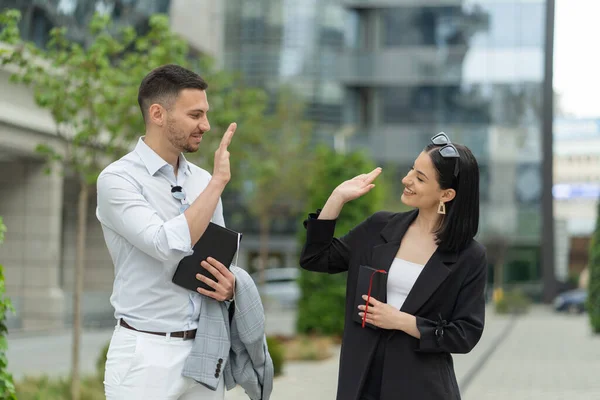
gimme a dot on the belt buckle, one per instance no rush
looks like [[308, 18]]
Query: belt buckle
[[185, 335]]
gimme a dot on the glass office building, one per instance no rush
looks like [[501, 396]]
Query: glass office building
[[295, 42], [291, 42], [473, 69], [399, 71]]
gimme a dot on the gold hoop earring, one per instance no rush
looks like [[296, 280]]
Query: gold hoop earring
[[442, 208]]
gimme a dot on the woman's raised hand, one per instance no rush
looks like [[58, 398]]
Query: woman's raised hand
[[356, 187]]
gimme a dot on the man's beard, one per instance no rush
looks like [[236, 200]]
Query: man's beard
[[178, 138]]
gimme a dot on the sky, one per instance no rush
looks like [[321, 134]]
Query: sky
[[577, 56]]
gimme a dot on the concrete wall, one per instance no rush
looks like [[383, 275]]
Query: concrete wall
[[31, 205], [201, 23]]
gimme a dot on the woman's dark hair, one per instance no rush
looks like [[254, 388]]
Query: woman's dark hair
[[461, 222]]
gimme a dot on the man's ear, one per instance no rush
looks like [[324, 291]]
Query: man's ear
[[157, 114]]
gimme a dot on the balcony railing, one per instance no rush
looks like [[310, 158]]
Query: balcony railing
[[414, 65]]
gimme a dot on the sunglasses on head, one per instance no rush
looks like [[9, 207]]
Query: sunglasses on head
[[448, 150], [178, 193]]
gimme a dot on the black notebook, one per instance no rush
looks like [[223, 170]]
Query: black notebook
[[378, 290], [217, 242]]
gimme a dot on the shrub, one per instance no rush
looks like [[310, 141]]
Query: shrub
[[593, 299], [38, 388], [277, 352], [323, 296], [514, 302], [7, 386], [308, 348], [101, 362]]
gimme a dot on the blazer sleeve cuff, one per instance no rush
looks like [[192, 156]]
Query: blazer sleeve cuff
[[319, 230], [432, 333]]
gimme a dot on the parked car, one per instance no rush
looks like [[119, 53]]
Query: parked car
[[572, 301], [280, 286]]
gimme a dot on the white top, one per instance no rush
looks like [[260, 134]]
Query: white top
[[147, 236], [401, 278]]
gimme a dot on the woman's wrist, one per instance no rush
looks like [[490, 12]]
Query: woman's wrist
[[332, 208], [401, 321], [405, 321]]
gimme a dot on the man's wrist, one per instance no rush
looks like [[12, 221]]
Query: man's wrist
[[218, 183]]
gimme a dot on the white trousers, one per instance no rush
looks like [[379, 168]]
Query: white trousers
[[142, 366]]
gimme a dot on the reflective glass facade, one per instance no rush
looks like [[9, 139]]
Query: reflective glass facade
[[293, 42], [473, 69], [400, 71]]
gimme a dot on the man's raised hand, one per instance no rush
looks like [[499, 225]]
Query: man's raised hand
[[222, 169]]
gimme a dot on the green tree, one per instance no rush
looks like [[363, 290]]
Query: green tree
[[7, 386], [275, 166], [91, 93], [322, 301], [593, 301]]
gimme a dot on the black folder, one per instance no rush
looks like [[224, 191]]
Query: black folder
[[217, 242], [378, 290]]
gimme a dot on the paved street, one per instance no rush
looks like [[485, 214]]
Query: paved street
[[51, 354], [545, 357], [541, 355]]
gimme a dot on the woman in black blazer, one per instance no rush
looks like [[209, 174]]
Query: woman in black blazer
[[436, 275]]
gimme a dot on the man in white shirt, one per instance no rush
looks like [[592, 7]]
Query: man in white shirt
[[153, 205]]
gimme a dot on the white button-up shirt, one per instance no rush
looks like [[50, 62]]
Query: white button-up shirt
[[147, 236]]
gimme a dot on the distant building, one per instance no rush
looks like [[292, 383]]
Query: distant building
[[577, 183], [395, 72]]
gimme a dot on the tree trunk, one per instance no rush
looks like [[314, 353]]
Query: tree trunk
[[82, 209], [499, 273], [265, 227]]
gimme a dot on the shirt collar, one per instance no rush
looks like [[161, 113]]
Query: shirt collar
[[154, 162]]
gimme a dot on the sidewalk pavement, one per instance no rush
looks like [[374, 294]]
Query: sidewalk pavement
[[541, 355], [318, 380], [546, 356], [50, 353]]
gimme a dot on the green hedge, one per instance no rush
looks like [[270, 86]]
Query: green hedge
[[277, 352], [321, 305], [7, 386], [593, 301]]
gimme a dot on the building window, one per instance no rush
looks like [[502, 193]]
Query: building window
[[510, 24]]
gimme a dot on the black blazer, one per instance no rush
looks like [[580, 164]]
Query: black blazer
[[447, 299]]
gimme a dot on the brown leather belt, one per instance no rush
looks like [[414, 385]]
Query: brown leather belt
[[181, 334]]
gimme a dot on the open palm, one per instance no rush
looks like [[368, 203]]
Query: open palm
[[357, 186]]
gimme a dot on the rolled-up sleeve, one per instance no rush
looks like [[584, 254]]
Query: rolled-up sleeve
[[177, 233], [123, 209]]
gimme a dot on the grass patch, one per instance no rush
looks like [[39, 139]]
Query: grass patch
[[45, 388], [308, 348]]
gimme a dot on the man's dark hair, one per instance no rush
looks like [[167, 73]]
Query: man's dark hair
[[461, 222], [163, 84]]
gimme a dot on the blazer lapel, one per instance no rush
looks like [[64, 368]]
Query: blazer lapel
[[433, 274]]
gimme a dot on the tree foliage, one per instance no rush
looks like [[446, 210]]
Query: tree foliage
[[593, 300], [322, 302], [275, 165], [7, 386]]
